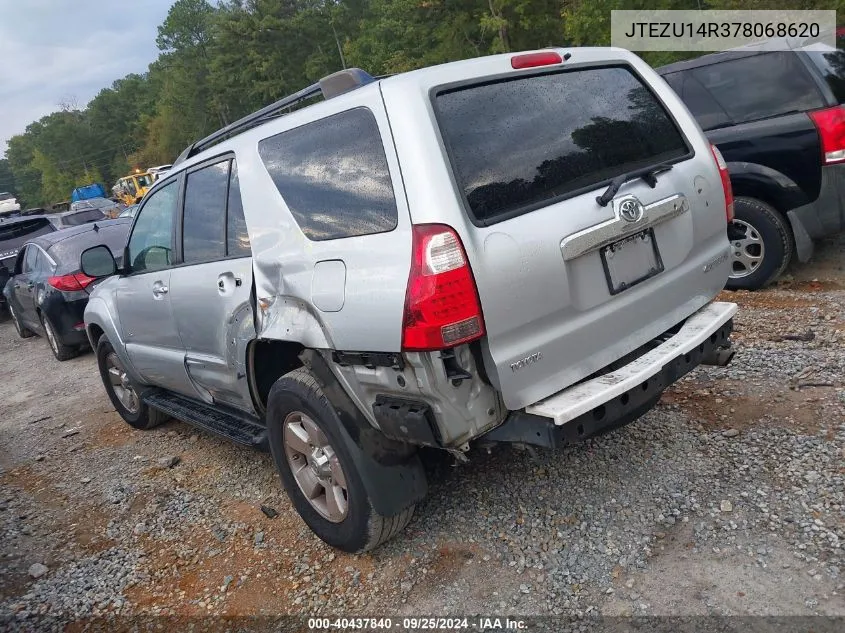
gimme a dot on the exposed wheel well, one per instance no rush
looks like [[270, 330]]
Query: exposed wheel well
[[94, 334], [760, 192], [269, 361]]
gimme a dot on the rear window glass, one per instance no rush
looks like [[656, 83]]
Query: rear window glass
[[760, 86], [523, 143], [14, 234], [67, 252], [832, 66], [89, 215], [701, 104], [333, 176]]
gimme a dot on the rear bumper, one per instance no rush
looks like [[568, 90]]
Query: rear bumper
[[67, 317], [624, 394]]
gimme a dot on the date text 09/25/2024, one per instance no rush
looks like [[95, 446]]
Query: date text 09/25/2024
[[417, 624]]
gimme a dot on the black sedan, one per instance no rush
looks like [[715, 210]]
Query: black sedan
[[47, 293]]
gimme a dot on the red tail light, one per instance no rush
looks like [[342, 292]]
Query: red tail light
[[726, 182], [532, 60], [71, 282], [441, 304], [831, 126]]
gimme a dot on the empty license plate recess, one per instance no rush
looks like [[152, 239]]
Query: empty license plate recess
[[630, 261]]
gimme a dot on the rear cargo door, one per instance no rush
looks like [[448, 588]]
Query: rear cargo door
[[568, 285]]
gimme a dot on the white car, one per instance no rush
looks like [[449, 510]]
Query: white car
[[8, 203], [159, 171]]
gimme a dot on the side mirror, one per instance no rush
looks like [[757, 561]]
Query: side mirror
[[97, 261]]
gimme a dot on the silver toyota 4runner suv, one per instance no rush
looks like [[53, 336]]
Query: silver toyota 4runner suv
[[517, 248]]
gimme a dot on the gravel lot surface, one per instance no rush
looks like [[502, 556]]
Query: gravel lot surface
[[728, 498]]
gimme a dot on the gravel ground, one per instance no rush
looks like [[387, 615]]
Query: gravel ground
[[727, 499]]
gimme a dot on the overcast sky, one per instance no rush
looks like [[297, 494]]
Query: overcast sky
[[52, 51]]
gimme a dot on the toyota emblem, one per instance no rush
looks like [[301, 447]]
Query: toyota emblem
[[631, 210]]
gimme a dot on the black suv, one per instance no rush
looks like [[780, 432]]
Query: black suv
[[14, 232], [777, 118]]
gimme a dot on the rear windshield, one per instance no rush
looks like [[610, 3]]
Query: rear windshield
[[66, 252], [832, 66], [760, 86], [89, 215], [519, 144], [14, 234]]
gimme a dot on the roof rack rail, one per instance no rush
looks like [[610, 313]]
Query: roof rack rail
[[329, 86]]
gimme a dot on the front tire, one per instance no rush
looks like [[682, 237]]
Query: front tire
[[318, 471], [60, 350], [122, 392], [761, 245]]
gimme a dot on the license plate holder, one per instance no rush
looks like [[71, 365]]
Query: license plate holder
[[630, 261]]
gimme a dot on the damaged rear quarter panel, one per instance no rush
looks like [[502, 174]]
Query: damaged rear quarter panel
[[284, 259], [463, 410]]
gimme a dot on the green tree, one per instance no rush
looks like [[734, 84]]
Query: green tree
[[7, 177]]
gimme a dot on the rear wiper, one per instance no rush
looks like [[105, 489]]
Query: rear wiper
[[649, 174]]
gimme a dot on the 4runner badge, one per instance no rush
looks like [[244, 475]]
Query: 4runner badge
[[524, 362], [631, 210]]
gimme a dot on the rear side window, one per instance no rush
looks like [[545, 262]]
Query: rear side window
[[832, 66], [30, 259], [760, 86], [703, 106], [204, 223], [523, 143], [237, 236], [333, 176]]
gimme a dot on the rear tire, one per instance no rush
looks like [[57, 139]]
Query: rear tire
[[22, 331], [317, 470], [60, 350], [761, 245], [122, 392]]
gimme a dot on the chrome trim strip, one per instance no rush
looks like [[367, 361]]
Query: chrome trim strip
[[599, 235]]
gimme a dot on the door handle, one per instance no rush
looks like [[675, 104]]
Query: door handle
[[159, 290], [30, 285]]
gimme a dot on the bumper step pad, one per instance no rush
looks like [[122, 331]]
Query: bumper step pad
[[619, 397]]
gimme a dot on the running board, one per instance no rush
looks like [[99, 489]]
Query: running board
[[238, 427]]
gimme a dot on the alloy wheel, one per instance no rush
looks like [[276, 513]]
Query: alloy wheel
[[315, 467], [120, 384], [15, 319], [51, 336], [747, 249]]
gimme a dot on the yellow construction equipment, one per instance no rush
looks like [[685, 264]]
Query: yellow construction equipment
[[130, 189]]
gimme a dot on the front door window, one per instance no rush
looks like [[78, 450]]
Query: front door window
[[151, 243]]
